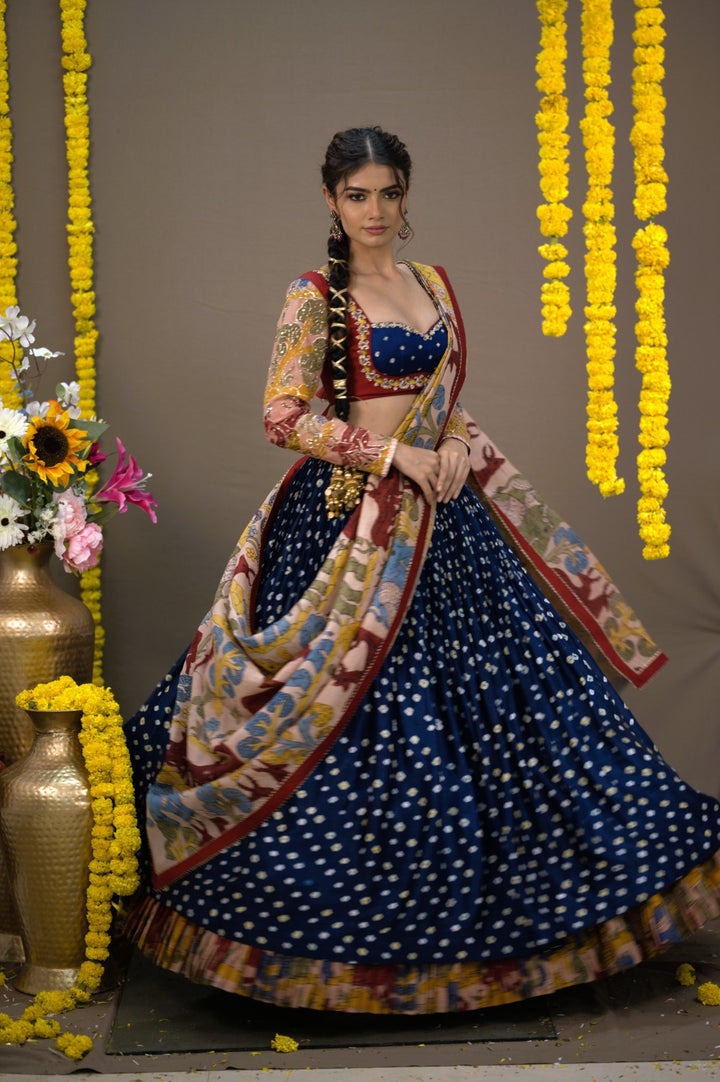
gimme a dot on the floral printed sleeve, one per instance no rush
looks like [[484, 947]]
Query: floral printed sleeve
[[294, 379], [456, 427]]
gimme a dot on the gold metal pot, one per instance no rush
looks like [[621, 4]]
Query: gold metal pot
[[44, 633], [45, 828]]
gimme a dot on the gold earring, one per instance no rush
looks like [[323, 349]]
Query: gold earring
[[336, 232]]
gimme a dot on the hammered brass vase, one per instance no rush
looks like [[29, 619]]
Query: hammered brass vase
[[45, 829], [44, 633]]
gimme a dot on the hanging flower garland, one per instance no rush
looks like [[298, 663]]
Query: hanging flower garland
[[76, 61], [115, 842], [652, 259], [552, 122], [9, 396], [599, 141]]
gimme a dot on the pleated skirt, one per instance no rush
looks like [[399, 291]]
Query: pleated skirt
[[492, 823]]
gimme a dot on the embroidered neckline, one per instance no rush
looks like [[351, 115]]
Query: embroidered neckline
[[425, 335]]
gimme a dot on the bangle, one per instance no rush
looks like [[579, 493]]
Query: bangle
[[460, 439]]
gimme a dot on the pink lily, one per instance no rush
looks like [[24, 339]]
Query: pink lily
[[95, 455], [126, 485]]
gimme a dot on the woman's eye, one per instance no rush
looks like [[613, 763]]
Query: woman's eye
[[393, 195], [356, 197]]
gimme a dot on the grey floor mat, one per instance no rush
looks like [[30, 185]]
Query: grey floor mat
[[162, 1012]]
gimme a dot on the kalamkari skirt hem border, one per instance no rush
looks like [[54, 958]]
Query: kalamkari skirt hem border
[[177, 944]]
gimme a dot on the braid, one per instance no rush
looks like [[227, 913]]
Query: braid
[[338, 252], [348, 151]]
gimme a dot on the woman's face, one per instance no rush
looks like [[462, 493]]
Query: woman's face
[[370, 204]]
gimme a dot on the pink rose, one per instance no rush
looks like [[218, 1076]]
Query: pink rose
[[84, 548], [70, 519]]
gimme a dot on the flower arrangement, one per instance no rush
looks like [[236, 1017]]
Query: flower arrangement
[[48, 458], [599, 140], [552, 122], [115, 841]]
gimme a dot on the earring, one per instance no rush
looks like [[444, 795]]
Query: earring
[[405, 230], [336, 233]]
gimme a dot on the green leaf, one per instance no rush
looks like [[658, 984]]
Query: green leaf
[[104, 514], [16, 449], [92, 429], [16, 485]]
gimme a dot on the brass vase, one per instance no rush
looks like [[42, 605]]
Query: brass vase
[[44, 633], [45, 829]]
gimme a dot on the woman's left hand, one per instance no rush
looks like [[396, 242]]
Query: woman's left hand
[[454, 469]]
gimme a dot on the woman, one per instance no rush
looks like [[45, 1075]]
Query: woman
[[387, 776]]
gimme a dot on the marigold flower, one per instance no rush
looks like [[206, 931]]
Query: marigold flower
[[281, 1043], [709, 994]]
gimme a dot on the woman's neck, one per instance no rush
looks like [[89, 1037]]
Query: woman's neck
[[373, 264]]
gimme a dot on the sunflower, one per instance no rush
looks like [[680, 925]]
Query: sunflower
[[54, 448]]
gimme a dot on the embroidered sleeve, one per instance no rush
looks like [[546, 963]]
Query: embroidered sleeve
[[456, 427], [293, 380]]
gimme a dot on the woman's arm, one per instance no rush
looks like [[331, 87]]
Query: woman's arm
[[294, 379]]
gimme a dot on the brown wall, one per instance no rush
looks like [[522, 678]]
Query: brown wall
[[209, 120]]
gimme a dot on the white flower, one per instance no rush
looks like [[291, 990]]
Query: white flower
[[37, 409], [11, 529], [44, 519], [17, 327], [45, 354], [12, 423], [68, 394]]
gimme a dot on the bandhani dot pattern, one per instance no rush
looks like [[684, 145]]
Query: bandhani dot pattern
[[491, 797]]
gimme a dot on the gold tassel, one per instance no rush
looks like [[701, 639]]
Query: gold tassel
[[344, 491]]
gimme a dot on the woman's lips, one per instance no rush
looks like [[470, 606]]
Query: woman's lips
[[375, 229]]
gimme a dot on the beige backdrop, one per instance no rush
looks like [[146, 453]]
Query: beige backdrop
[[209, 121]]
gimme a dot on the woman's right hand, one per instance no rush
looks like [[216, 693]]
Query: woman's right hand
[[421, 466]]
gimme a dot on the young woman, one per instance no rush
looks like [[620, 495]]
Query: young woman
[[388, 775]]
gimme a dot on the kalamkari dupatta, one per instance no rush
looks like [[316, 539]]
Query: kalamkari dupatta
[[257, 709]]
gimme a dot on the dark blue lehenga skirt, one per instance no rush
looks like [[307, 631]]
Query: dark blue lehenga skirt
[[491, 799]]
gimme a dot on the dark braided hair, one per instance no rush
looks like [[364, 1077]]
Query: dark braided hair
[[349, 151]]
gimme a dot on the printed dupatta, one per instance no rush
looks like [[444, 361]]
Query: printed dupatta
[[257, 709]]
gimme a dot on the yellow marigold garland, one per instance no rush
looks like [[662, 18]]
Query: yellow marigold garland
[[9, 395], [115, 842], [552, 122], [599, 140], [76, 61], [652, 259]]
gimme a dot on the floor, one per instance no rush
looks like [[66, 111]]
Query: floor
[[640, 1025], [584, 1072]]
